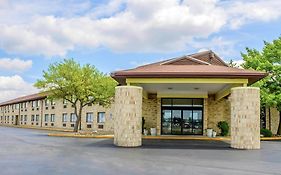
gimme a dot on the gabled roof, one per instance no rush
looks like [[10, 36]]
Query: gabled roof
[[202, 65]]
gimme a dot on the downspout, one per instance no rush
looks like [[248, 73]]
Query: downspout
[[41, 113]]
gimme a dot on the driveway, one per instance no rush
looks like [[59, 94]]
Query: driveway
[[29, 151]]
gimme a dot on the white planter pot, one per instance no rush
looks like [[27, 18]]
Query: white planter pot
[[210, 132], [145, 132], [214, 133], [153, 131]]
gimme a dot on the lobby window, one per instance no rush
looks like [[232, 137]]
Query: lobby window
[[73, 117], [52, 118], [46, 118], [101, 117], [64, 117], [89, 117]]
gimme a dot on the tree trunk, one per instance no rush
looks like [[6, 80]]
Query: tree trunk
[[78, 121], [279, 127]]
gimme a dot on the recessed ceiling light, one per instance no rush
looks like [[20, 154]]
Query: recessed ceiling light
[[196, 88], [170, 88]]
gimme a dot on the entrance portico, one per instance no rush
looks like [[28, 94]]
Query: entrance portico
[[185, 96]]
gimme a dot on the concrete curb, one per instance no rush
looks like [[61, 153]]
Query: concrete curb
[[38, 128], [156, 137], [80, 136]]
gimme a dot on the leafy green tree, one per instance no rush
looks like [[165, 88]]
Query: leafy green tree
[[79, 85], [268, 60], [231, 63]]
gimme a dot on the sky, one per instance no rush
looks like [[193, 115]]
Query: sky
[[122, 34]]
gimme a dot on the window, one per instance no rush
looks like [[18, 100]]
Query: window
[[52, 117], [37, 118], [73, 117], [21, 118], [32, 118], [53, 102], [89, 117], [64, 101], [25, 118], [47, 102], [64, 117], [46, 118], [101, 117], [35, 103]]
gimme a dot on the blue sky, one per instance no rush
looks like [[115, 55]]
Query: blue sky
[[121, 34]]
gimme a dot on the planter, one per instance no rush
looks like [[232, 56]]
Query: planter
[[210, 132], [153, 131], [214, 133], [145, 132]]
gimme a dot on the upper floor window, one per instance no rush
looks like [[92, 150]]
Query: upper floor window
[[101, 117], [73, 117], [64, 117], [37, 118], [89, 117], [46, 118], [64, 101], [52, 117], [32, 118]]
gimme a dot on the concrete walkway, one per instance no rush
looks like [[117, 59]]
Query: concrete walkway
[[29, 151]]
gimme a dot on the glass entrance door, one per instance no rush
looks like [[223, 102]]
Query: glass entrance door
[[187, 122], [182, 119]]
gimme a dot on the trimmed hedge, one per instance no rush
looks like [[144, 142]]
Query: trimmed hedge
[[266, 132]]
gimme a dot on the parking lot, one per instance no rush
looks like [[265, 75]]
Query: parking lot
[[30, 151]]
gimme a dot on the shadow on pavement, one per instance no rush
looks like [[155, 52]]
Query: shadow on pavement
[[169, 144]]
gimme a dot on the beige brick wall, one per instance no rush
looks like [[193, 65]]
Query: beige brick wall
[[245, 118], [149, 112], [218, 110], [58, 109], [272, 120], [128, 116]]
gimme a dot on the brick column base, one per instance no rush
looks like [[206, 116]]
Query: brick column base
[[245, 118], [128, 116]]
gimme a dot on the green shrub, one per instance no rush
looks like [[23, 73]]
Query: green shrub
[[266, 132], [223, 126]]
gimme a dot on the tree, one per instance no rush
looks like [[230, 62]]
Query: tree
[[79, 85], [268, 60]]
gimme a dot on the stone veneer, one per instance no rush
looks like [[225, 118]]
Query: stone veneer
[[128, 116], [149, 113], [245, 118], [218, 110], [272, 120]]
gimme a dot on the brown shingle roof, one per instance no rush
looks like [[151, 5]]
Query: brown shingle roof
[[36, 96], [172, 68]]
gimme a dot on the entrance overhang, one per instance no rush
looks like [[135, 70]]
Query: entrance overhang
[[187, 87]]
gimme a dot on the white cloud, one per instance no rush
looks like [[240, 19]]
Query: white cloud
[[14, 86], [15, 65], [122, 25]]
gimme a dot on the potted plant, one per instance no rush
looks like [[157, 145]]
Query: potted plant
[[210, 132], [214, 134], [223, 125]]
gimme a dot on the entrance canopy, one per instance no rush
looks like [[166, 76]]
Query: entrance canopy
[[193, 76]]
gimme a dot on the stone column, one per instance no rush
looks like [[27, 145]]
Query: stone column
[[245, 118], [128, 116]]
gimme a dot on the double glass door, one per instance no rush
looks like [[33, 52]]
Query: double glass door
[[182, 121]]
